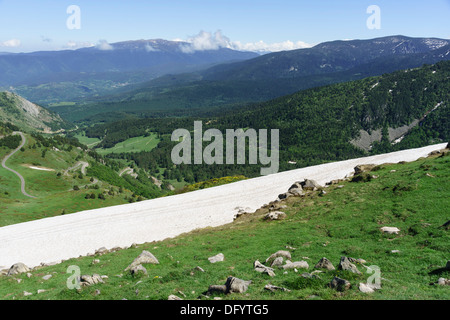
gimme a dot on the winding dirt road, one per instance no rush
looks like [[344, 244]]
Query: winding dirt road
[[22, 180]]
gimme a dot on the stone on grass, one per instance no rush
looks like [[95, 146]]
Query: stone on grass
[[339, 284], [87, 280], [324, 263], [217, 258], [278, 262], [174, 297], [48, 276], [390, 230], [275, 288], [296, 265], [281, 253], [259, 267], [144, 258], [18, 268], [275, 215], [365, 288], [139, 269], [345, 264], [236, 285]]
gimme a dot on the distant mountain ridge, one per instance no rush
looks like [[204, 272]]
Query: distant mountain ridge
[[154, 57], [267, 77], [328, 57]]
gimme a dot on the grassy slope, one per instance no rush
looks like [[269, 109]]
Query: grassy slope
[[52, 192], [135, 144], [343, 222]]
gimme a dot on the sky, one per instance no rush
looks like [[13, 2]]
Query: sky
[[264, 25]]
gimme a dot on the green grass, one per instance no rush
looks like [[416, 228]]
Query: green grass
[[136, 144], [90, 142], [343, 222], [54, 193]]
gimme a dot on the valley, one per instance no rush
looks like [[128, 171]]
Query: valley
[[87, 140]]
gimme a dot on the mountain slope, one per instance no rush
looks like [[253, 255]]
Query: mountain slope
[[400, 110], [154, 57], [324, 58], [28, 116]]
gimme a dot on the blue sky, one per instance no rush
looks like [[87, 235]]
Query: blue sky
[[30, 25]]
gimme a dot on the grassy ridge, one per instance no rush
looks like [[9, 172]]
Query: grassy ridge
[[343, 222]]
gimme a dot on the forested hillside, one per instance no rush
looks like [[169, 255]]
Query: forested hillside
[[316, 125]]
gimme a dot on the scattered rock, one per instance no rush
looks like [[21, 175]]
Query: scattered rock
[[275, 288], [144, 258], [95, 261], [339, 284], [395, 251], [278, 262], [275, 215], [296, 265], [41, 291], [220, 289], [310, 185], [25, 293], [324, 263], [365, 288], [97, 292], [390, 230], [236, 285], [281, 253], [263, 269], [139, 269], [101, 251], [345, 264], [87, 280], [18, 268], [285, 195], [46, 277], [174, 297], [217, 258], [363, 168]]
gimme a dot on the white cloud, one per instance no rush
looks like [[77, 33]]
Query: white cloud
[[209, 41], [261, 46], [149, 48], [206, 41], [13, 43], [77, 45], [104, 45]]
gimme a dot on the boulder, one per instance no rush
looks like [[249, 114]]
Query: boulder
[[390, 230], [278, 262], [275, 215], [310, 185], [281, 253], [235, 285], [87, 280], [217, 258], [339, 284], [18, 268], [363, 168], [259, 267], [174, 297], [139, 269], [365, 288], [144, 258], [296, 265], [324, 263], [345, 264], [275, 288]]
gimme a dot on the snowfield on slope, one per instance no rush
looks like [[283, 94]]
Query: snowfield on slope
[[59, 238]]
